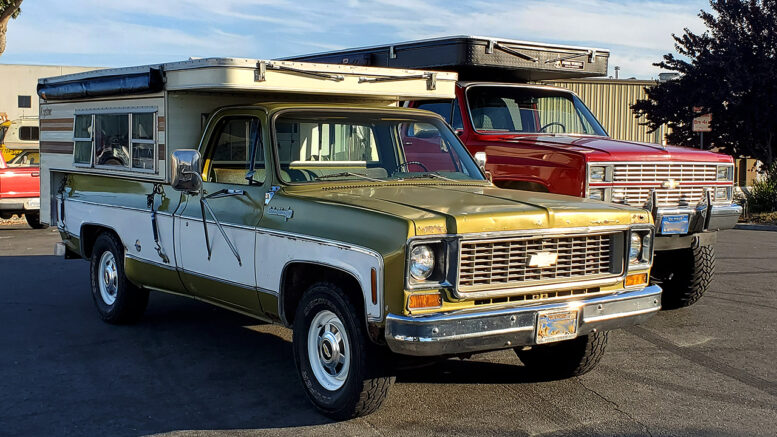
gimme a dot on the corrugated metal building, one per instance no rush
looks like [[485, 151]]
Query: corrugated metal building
[[610, 100]]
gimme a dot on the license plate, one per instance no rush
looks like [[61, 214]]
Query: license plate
[[556, 326], [674, 224], [32, 204]]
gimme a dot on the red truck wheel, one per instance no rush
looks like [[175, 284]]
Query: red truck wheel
[[33, 219], [684, 275]]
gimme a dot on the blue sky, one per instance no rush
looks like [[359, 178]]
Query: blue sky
[[132, 32]]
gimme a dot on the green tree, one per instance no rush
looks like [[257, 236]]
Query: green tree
[[730, 71], [8, 9]]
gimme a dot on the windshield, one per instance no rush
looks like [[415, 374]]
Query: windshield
[[2, 133], [316, 146], [25, 159], [498, 109]]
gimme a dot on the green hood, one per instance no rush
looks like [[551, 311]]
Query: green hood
[[436, 208]]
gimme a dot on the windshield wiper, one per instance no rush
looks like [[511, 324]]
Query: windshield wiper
[[430, 174], [347, 173]]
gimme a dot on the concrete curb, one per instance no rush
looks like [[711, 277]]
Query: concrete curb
[[755, 227]]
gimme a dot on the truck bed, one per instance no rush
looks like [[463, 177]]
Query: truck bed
[[476, 58]]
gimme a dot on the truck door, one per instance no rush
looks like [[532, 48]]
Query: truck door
[[217, 261]]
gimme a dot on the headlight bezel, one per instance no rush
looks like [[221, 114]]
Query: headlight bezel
[[644, 257], [724, 173], [444, 257]]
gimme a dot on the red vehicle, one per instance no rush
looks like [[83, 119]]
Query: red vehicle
[[543, 138], [20, 187]]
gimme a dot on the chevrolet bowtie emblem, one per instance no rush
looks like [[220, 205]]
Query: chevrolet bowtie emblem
[[671, 183], [543, 259]]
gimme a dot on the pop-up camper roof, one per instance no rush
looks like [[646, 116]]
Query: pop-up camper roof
[[252, 75], [477, 58]]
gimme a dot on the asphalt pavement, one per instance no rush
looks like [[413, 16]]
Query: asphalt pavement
[[192, 369]]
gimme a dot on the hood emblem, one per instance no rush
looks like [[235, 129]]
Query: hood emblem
[[671, 184], [543, 259]]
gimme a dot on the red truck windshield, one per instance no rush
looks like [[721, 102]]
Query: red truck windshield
[[518, 109]]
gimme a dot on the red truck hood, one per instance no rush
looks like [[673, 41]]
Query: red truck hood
[[608, 149]]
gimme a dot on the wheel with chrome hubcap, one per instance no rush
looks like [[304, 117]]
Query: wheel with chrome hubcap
[[336, 361], [117, 299]]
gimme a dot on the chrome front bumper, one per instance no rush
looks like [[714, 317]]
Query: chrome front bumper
[[704, 218], [467, 331], [20, 204]]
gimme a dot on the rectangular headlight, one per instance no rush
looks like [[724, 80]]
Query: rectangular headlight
[[596, 193], [722, 194], [725, 173], [597, 174]]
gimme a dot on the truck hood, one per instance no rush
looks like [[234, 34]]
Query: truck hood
[[608, 149], [459, 208]]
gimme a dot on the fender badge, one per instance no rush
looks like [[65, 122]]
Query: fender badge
[[285, 213]]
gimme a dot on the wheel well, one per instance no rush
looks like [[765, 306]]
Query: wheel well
[[298, 277], [89, 235], [522, 185]]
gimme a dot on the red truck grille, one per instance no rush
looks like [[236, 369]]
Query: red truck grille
[[693, 177]]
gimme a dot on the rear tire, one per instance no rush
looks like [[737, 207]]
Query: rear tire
[[685, 275], [565, 359], [117, 300], [340, 368], [33, 219]]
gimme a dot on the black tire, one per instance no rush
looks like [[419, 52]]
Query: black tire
[[128, 301], [684, 275], [565, 359], [33, 219], [366, 383]]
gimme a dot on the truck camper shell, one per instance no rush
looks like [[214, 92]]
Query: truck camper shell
[[174, 100], [477, 58]]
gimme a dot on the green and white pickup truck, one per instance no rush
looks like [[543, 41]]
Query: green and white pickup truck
[[301, 194]]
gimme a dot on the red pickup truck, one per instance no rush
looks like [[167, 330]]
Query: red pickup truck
[[20, 187], [542, 138]]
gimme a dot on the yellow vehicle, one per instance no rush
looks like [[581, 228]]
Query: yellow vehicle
[[18, 135], [301, 194]]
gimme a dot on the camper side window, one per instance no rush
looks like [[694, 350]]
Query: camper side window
[[82, 137], [121, 141]]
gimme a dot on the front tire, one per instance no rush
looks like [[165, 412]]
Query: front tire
[[338, 365], [684, 274], [117, 300], [565, 359], [33, 219]]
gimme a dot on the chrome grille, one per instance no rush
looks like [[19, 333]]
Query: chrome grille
[[681, 196], [694, 177], [661, 172], [502, 263]]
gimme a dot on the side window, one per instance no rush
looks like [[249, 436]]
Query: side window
[[111, 140], [82, 136], [29, 133], [118, 140], [230, 151]]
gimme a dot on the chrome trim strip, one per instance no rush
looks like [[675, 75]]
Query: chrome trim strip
[[504, 292], [147, 261], [614, 316]]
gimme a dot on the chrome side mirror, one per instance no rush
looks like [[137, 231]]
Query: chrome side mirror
[[185, 170], [480, 158]]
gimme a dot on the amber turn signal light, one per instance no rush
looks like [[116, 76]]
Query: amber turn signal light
[[419, 301], [636, 279]]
